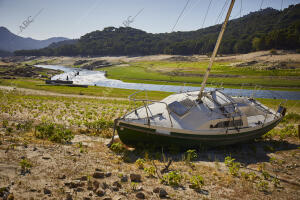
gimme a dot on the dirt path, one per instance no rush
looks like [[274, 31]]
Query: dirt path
[[47, 93]]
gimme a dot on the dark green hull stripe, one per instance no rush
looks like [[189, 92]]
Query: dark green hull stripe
[[132, 135]]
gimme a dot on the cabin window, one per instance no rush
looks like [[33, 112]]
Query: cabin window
[[182, 107], [225, 124]]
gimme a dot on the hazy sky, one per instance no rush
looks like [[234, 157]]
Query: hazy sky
[[74, 18]]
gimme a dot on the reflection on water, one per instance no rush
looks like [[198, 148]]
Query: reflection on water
[[88, 77]]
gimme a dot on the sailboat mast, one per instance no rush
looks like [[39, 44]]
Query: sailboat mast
[[215, 50]]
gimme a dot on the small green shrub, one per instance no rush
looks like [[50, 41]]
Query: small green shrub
[[196, 182], [276, 182], [233, 166], [291, 117], [172, 178], [262, 185], [9, 129], [117, 148], [265, 174], [133, 186], [150, 171], [53, 132], [190, 155], [140, 163], [4, 123], [25, 164]]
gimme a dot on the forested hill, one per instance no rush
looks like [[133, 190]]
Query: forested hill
[[264, 29]]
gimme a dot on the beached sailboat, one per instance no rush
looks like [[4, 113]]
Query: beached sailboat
[[191, 119]]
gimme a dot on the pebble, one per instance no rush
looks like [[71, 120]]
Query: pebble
[[108, 174], [104, 185], [69, 197], [124, 178], [117, 184], [135, 177], [47, 191], [84, 178], [100, 193], [96, 184], [62, 176], [98, 175], [140, 195]]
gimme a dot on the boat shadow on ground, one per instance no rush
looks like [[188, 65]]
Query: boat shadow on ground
[[247, 153], [252, 152]]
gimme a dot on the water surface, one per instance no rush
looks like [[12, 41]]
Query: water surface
[[98, 78]]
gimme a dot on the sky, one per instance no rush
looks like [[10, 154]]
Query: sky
[[42, 19]]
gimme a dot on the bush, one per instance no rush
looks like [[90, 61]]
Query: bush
[[190, 155], [172, 178], [196, 182], [4, 123], [140, 163], [53, 132], [262, 185], [25, 164], [117, 148], [233, 166], [150, 171]]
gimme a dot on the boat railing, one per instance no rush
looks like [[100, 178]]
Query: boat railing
[[146, 101]]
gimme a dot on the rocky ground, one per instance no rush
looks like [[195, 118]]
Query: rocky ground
[[83, 167]]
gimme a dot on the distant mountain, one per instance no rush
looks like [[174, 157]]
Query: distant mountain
[[11, 42], [261, 30]]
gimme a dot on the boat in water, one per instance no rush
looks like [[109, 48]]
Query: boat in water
[[191, 119]]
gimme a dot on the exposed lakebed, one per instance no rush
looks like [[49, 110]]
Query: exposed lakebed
[[98, 78]]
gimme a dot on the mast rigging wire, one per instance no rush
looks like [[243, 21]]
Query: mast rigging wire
[[261, 4], [222, 12], [206, 13], [180, 15]]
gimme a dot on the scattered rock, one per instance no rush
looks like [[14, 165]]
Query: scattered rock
[[107, 198], [47, 191], [33, 190], [108, 174], [135, 177], [45, 158], [98, 170], [163, 193], [115, 188], [74, 184], [100, 193], [62, 176], [69, 197], [86, 198], [104, 185], [140, 195], [90, 186], [124, 178], [98, 175], [4, 191], [117, 184], [96, 185], [34, 149], [84, 178], [80, 189], [139, 188]]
